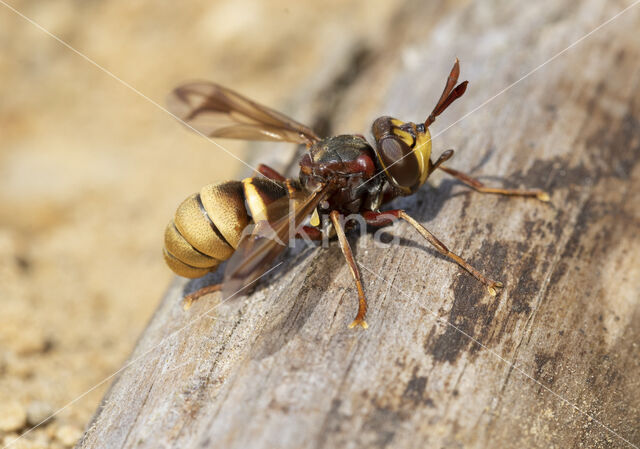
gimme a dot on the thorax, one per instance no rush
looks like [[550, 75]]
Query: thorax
[[347, 162]]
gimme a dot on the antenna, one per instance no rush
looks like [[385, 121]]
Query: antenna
[[449, 94]]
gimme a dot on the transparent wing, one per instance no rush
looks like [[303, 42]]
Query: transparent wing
[[258, 250], [220, 112]]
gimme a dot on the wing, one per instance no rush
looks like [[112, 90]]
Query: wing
[[257, 250], [220, 112]]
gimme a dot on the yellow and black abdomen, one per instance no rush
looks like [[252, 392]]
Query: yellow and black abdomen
[[207, 226]]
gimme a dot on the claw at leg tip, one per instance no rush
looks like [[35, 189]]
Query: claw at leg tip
[[493, 288], [544, 196], [361, 323]]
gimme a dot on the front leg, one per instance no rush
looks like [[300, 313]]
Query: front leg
[[480, 187]]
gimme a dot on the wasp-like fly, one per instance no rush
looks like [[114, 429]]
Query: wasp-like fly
[[339, 176]]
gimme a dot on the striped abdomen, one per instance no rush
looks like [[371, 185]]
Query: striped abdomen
[[208, 225]]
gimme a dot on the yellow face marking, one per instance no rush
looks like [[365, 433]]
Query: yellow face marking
[[405, 136], [422, 151]]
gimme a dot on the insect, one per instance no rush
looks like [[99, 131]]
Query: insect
[[339, 176]]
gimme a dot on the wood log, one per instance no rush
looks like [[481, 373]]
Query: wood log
[[552, 361]]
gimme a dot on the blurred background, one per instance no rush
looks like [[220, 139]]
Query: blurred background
[[91, 172]]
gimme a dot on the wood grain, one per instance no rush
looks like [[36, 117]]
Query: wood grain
[[553, 361]]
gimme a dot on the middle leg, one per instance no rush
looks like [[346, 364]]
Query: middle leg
[[348, 255], [383, 218]]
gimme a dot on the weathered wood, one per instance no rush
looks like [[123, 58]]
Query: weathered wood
[[552, 361]]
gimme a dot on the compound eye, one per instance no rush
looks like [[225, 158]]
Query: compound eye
[[398, 162]]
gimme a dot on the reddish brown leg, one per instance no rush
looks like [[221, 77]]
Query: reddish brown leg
[[348, 255], [311, 232], [192, 297], [379, 219], [270, 173], [443, 157], [480, 187]]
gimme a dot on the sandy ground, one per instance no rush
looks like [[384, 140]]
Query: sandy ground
[[91, 172]]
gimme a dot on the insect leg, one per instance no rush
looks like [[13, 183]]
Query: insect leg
[[192, 297], [381, 218], [270, 173], [443, 158], [348, 255], [480, 187], [311, 233]]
